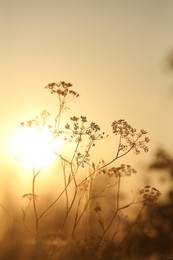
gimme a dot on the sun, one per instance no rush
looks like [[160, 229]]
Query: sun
[[36, 147]]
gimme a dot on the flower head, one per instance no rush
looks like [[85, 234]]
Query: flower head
[[150, 194]]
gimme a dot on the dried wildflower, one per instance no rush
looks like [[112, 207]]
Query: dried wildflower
[[123, 170], [129, 137], [62, 89], [78, 129], [74, 118], [82, 159], [150, 194], [83, 119], [123, 128]]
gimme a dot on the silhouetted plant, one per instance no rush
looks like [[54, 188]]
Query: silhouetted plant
[[151, 236], [81, 175]]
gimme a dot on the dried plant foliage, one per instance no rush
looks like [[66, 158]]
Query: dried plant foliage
[[83, 205]]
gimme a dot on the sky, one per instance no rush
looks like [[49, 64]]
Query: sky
[[113, 52]]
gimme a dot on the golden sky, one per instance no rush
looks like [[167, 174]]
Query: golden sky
[[113, 52]]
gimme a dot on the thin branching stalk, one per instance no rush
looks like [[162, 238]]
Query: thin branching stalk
[[118, 191], [116, 230], [58, 117], [76, 187], [70, 206], [74, 179], [100, 220], [85, 179], [113, 217], [73, 175], [74, 153], [110, 162], [84, 158], [132, 225], [78, 217], [65, 186], [76, 222], [53, 203], [35, 174], [110, 223]]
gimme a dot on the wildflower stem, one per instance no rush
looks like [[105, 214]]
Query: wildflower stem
[[65, 184], [118, 191], [132, 225], [107, 164], [113, 217], [35, 174], [70, 207]]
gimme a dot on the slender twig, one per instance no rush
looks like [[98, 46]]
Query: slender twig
[[58, 117], [65, 185], [70, 206], [110, 162], [132, 225], [118, 191], [53, 203], [114, 215], [112, 220], [116, 229], [78, 219], [101, 221], [87, 152], [85, 179], [35, 174], [75, 192]]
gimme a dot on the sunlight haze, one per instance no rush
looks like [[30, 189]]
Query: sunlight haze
[[115, 53]]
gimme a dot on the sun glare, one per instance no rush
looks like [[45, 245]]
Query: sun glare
[[36, 147]]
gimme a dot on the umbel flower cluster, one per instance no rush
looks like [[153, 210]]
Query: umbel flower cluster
[[130, 137], [78, 129], [122, 170], [62, 89], [150, 194]]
